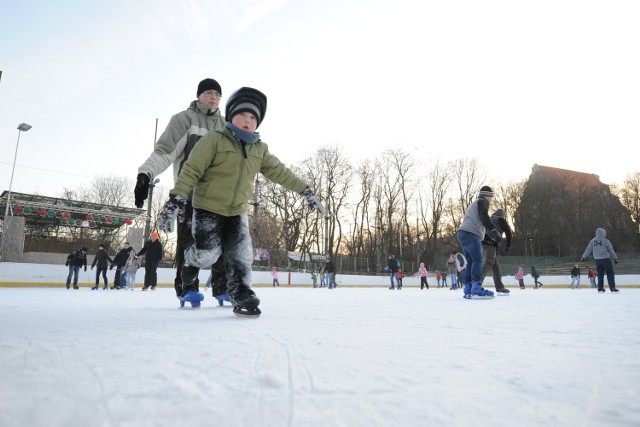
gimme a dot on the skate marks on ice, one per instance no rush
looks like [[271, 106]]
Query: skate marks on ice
[[346, 357]]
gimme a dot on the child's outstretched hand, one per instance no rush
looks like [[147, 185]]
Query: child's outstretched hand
[[173, 209], [313, 201]]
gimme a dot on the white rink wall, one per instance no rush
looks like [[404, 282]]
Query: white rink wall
[[21, 274]]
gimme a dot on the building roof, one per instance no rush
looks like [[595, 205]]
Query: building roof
[[51, 211], [572, 180]]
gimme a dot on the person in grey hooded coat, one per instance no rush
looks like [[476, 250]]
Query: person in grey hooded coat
[[603, 253]]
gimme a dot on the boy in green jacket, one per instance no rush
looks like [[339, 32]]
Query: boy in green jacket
[[220, 171]]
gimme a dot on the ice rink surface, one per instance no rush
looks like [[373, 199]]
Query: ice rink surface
[[320, 357]]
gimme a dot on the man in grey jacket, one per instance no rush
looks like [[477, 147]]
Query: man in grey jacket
[[173, 147], [603, 253]]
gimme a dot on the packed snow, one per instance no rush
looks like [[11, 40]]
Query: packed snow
[[320, 357]]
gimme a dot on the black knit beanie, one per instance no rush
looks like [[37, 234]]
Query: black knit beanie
[[486, 191], [209, 84]]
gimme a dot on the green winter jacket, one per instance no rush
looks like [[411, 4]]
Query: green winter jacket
[[222, 176]]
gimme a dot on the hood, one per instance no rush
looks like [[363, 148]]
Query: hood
[[601, 233], [422, 264], [499, 213]]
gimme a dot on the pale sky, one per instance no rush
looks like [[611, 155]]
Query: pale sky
[[512, 83]]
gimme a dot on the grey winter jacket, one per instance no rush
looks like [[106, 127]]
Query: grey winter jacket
[[179, 138], [221, 171], [600, 246], [476, 219]]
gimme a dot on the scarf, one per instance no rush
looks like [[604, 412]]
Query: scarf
[[244, 136]]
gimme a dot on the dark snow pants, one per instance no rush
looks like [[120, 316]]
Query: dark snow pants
[[215, 235]]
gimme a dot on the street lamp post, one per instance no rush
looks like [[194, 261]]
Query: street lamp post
[[147, 228], [22, 127]]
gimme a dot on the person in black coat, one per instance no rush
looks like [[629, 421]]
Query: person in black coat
[[536, 276], [120, 260], [101, 259], [491, 247], [392, 269], [575, 276], [75, 260], [153, 251]]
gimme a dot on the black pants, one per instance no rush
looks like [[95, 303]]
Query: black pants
[[150, 274], [423, 282], [604, 266], [228, 238], [116, 278], [185, 241], [102, 270]]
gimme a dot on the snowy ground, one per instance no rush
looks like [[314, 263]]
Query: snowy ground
[[319, 357]]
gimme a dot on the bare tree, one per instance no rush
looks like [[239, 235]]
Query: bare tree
[[439, 181], [330, 175], [468, 176], [630, 196], [404, 166]]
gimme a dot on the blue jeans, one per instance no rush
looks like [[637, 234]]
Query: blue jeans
[[472, 249], [454, 279], [573, 281], [392, 275], [73, 271]]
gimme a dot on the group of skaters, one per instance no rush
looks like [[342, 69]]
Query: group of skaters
[[126, 261], [327, 275], [480, 236]]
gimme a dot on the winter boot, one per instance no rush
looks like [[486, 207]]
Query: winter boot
[[189, 275], [478, 292], [245, 302], [192, 297]]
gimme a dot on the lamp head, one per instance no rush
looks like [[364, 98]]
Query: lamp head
[[24, 127]]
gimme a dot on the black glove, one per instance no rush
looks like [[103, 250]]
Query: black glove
[[173, 209], [85, 268], [111, 267], [141, 191], [507, 249], [313, 201], [67, 263], [615, 261]]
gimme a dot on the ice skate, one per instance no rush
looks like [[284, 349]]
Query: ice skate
[[503, 292], [192, 297], [245, 302], [601, 290], [467, 291], [222, 298], [478, 292], [614, 290]]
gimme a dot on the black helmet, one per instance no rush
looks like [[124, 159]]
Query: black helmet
[[247, 99]]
